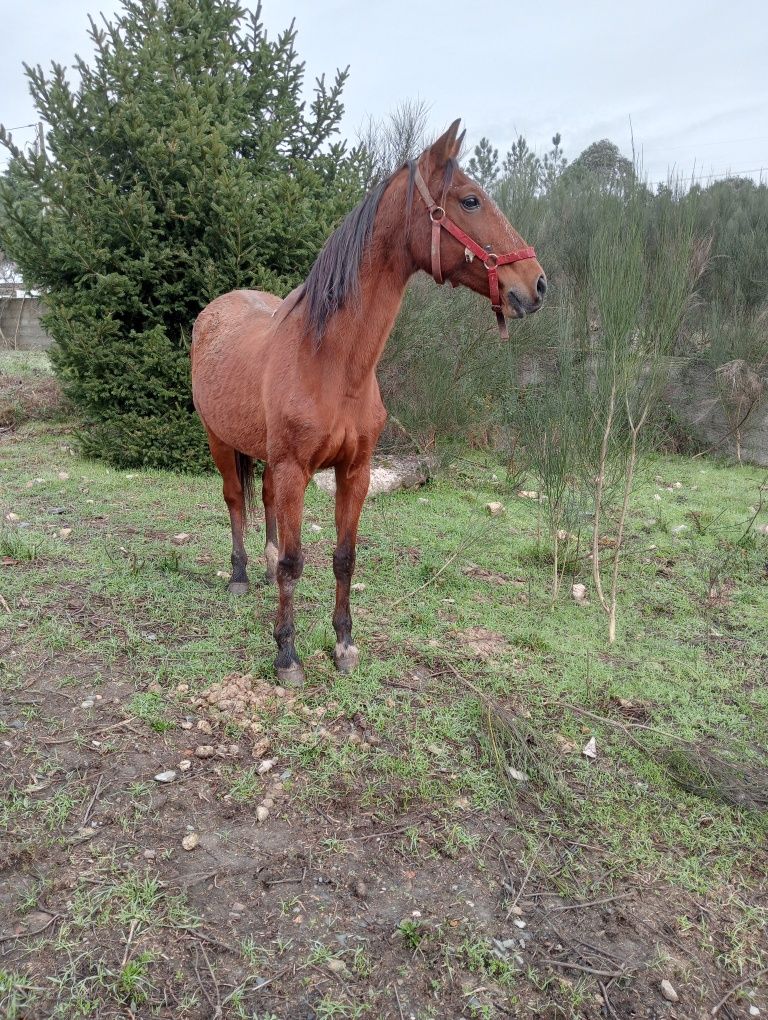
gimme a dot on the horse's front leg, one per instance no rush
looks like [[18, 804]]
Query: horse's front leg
[[290, 482], [351, 489]]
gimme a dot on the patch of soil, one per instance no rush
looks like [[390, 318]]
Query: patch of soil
[[484, 643]]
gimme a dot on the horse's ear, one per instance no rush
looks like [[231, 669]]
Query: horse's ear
[[447, 146]]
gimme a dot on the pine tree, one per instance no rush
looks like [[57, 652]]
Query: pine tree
[[484, 164], [185, 164]]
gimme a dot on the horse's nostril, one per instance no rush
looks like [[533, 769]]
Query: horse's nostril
[[541, 286]]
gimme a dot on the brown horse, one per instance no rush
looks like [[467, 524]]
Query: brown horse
[[293, 383]]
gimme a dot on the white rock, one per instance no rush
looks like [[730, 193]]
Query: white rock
[[678, 528], [494, 509], [205, 751], [266, 766], [185, 765], [165, 777], [191, 841], [590, 749], [519, 777], [262, 813], [579, 592], [12, 518], [62, 476], [88, 703], [181, 539], [528, 494], [754, 1011], [669, 992], [315, 528], [65, 532], [391, 474]]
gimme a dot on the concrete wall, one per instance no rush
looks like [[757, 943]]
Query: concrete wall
[[20, 327]]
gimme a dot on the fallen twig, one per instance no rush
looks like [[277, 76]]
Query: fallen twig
[[584, 968], [593, 903], [746, 981], [92, 801]]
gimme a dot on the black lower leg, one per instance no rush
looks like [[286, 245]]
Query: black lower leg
[[345, 654], [287, 662]]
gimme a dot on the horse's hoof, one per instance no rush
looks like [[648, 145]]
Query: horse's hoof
[[346, 657], [291, 676], [237, 587]]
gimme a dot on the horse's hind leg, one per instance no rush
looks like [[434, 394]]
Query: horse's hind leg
[[234, 497], [271, 552]]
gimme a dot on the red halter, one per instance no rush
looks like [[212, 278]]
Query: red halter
[[472, 250]]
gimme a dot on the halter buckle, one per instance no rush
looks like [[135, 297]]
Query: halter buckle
[[437, 213]]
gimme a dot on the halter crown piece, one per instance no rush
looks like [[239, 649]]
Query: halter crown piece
[[472, 250]]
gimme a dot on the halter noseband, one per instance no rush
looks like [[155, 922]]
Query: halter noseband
[[471, 250]]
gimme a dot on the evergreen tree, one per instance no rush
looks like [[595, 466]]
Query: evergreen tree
[[522, 164], [553, 165], [184, 164], [484, 164]]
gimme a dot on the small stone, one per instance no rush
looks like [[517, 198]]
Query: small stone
[[186, 724], [494, 509], [204, 726], [65, 532], [238, 907], [181, 539], [679, 528], [182, 688], [191, 841], [205, 751], [165, 777], [590, 749], [12, 518], [423, 500], [519, 777], [358, 586], [754, 1011], [63, 476], [268, 803], [88, 703], [517, 911], [262, 813], [149, 855], [579, 592], [265, 766], [361, 889], [336, 966], [185, 765], [315, 528], [669, 992], [518, 922]]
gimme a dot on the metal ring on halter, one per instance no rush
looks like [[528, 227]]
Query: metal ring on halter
[[436, 214], [491, 261]]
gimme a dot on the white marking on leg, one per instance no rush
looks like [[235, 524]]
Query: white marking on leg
[[271, 555]]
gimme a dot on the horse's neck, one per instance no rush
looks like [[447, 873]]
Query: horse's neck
[[359, 332]]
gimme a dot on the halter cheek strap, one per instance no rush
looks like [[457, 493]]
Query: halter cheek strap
[[472, 250]]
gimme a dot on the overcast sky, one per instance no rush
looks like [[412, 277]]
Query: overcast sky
[[691, 75]]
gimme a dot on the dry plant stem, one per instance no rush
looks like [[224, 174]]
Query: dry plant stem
[[635, 429], [599, 488], [746, 981]]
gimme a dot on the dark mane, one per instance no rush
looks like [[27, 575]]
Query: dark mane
[[334, 278]]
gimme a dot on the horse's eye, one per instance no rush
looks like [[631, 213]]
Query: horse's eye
[[470, 202]]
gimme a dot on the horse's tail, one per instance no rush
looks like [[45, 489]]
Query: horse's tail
[[244, 465]]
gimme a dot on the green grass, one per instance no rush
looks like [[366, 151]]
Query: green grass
[[118, 600]]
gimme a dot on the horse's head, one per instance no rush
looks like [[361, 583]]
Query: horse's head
[[459, 234]]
